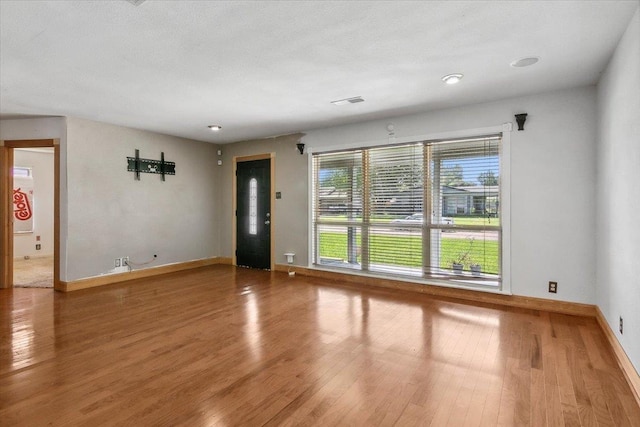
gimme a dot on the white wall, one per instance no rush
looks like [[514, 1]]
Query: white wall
[[111, 215], [106, 214], [45, 128], [618, 191], [42, 170], [42, 128], [552, 181]]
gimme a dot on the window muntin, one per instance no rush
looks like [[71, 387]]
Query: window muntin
[[379, 223]]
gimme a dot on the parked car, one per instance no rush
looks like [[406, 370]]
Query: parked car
[[418, 219]]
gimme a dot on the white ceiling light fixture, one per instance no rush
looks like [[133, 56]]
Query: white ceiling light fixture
[[215, 128], [346, 101], [452, 79], [525, 62]]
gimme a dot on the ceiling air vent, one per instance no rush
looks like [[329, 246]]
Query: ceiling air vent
[[345, 101]]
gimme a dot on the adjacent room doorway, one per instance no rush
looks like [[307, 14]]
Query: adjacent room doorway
[[8, 207], [33, 194], [253, 213]]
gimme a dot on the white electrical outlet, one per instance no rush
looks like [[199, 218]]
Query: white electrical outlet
[[125, 261], [117, 262]]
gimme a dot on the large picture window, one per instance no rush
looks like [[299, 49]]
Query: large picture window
[[428, 209]]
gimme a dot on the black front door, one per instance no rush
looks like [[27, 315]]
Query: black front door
[[253, 198]]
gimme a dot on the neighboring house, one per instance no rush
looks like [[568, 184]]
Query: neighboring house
[[474, 200], [337, 201], [477, 200]]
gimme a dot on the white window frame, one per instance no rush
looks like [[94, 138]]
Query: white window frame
[[505, 201]]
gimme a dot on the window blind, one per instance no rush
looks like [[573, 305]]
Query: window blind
[[429, 209], [337, 208], [396, 192], [464, 190]]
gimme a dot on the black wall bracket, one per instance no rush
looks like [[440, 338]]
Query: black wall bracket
[[520, 119], [138, 165]]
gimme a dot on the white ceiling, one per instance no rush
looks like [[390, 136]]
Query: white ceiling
[[266, 68]]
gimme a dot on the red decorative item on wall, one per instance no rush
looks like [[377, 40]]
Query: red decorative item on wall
[[22, 209]]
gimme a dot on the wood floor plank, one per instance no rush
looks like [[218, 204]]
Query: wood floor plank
[[553, 405], [479, 385], [538, 413], [227, 346], [496, 366]]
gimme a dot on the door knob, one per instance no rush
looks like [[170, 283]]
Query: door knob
[[267, 222]]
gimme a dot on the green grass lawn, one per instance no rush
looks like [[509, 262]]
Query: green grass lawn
[[405, 250], [475, 220]]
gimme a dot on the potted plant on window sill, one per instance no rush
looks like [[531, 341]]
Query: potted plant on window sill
[[458, 263], [465, 258], [474, 266], [476, 269]]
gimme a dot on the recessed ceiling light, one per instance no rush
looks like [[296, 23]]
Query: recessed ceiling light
[[525, 62], [452, 79], [215, 128], [345, 101]]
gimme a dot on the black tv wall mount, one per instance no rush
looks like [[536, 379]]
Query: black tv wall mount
[[138, 165]]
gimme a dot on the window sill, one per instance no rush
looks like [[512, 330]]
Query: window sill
[[455, 281]]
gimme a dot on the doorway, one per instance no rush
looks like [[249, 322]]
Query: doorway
[[8, 207], [33, 217], [253, 212]]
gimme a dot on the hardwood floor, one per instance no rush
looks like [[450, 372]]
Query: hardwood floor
[[226, 346]]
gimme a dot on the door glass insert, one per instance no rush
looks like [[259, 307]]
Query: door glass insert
[[253, 206]]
